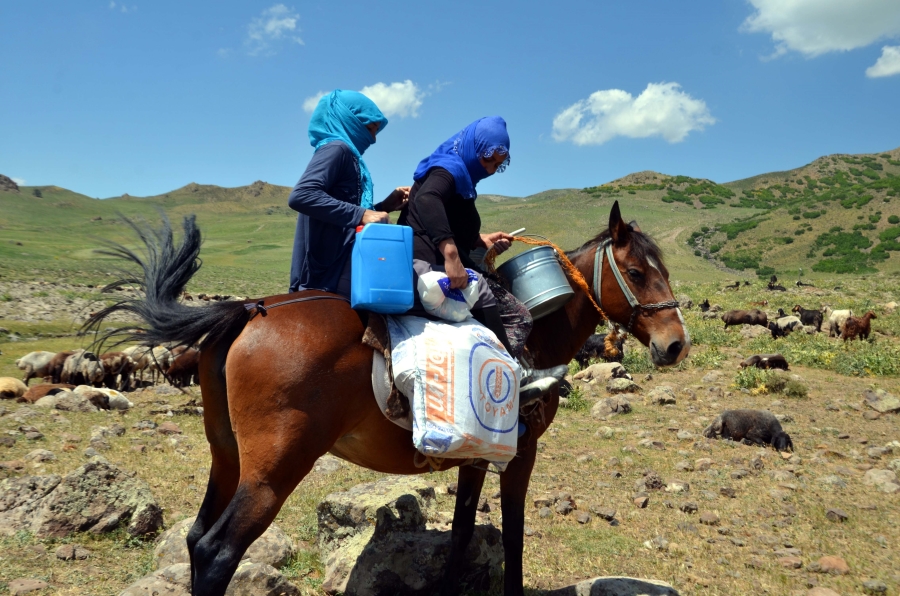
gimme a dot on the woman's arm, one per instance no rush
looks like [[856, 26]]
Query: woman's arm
[[329, 166]]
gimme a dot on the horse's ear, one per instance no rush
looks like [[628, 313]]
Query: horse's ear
[[634, 226], [618, 229]]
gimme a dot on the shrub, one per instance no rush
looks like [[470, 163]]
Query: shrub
[[893, 219], [765, 271], [795, 389], [708, 358], [576, 401], [37, 192], [697, 252]]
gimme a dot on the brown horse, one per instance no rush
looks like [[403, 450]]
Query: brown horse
[[281, 390]]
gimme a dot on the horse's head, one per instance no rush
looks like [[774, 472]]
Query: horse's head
[[635, 292]]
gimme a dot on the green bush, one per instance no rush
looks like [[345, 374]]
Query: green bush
[[795, 389], [765, 272], [576, 401], [894, 219], [698, 252]]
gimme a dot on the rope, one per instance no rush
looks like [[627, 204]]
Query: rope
[[611, 351]]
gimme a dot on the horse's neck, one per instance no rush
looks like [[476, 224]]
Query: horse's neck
[[557, 337]]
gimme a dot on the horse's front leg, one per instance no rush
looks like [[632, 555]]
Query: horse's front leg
[[513, 490], [468, 491]]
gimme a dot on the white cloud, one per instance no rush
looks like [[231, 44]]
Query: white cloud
[[888, 64], [112, 5], [397, 99], [276, 24], [661, 110], [19, 181], [816, 27], [394, 99]]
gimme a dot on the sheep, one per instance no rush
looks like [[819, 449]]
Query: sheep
[[766, 361], [595, 347], [836, 319], [160, 361], [745, 317], [858, 327], [784, 325], [34, 364], [153, 360], [185, 368], [83, 367], [11, 388], [751, 427], [809, 317], [55, 367], [38, 391], [118, 367]]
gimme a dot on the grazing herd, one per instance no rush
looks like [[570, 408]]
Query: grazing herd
[[840, 323], [121, 371]]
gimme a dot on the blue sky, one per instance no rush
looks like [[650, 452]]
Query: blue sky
[[109, 97]]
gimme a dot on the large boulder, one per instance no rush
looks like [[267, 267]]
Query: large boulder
[[97, 497], [881, 401], [622, 386], [375, 539], [250, 579], [273, 548], [610, 406], [616, 586]]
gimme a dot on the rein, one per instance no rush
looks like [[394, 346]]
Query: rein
[[636, 306], [261, 309]]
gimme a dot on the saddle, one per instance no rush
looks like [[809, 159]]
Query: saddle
[[394, 404]]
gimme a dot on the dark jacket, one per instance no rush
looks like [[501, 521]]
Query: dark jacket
[[327, 198], [437, 212]]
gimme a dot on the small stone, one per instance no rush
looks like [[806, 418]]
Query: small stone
[[677, 486], [7, 441], [737, 541], [833, 564], [642, 502], [91, 452], [139, 448], [543, 502], [565, 507], [40, 455], [545, 512], [755, 563], [622, 386], [790, 562], [703, 464], [688, 507], [739, 474], [725, 531], [168, 428], [583, 517], [874, 587], [709, 518], [34, 435], [144, 425], [836, 515], [684, 466], [658, 543], [870, 415], [452, 488], [820, 591], [25, 585], [604, 513], [72, 552], [727, 491]]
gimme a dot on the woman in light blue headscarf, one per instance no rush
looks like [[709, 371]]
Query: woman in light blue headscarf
[[335, 193]]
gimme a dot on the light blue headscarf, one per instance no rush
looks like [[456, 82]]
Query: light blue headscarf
[[343, 116]]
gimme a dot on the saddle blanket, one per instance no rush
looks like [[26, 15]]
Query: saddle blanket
[[462, 384]]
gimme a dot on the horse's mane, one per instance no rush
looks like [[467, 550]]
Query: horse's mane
[[642, 246]]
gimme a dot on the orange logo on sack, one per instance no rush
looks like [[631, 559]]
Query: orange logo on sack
[[439, 381]]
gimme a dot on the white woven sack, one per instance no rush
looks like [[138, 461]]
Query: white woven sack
[[463, 386]]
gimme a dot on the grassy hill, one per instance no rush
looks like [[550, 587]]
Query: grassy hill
[[839, 214]]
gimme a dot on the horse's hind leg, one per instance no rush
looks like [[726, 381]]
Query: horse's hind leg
[[468, 491]]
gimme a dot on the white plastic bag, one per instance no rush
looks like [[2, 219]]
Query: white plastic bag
[[442, 301], [463, 386]]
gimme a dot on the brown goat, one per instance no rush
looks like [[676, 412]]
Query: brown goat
[[858, 327]]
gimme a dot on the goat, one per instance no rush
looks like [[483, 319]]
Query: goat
[[784, 325], [733, 286], [704, 306], [836, 319], [766, 361], [772, 287], [809, 317], [745, 317], [760, 303], [751, 427], [595, 347], [858, 327]]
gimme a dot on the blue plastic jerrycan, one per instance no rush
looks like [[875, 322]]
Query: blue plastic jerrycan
[[382, 275]]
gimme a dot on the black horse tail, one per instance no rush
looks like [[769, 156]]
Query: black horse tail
[[165, 270]]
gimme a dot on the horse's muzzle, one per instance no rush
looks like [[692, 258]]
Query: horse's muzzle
[[672, 354]]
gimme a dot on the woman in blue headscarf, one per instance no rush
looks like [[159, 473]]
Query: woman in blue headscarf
[[335, 193], [447, 227]]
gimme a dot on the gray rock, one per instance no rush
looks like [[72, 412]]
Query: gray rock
[[250, 579], [753, 331], [712, 376], [72, 402], [874, 587], [26, 585], [622, 386], [685, 302], [881, 401], [611, 406], [273, 548], [374, 540], [661, 395], [885, 480], [97, 497], [72, 552], [40, 455]]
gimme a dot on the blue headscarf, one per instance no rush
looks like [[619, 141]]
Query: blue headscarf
[[459, 154], [343, 116]]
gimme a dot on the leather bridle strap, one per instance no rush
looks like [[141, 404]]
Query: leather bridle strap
[[636, 306], [262, 309]]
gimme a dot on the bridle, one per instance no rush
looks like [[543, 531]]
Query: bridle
[[636, 306]]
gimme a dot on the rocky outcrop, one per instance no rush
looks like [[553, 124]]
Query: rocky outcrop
[[7, 184], [375, 539], [273, 548], [97, 497]]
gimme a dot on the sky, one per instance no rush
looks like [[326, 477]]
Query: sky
[[106, 97]]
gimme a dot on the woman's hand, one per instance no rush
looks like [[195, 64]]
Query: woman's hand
[[453, 267], [501, 241], [395, 201], [374, 217]]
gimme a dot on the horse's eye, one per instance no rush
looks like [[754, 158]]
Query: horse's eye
[[635, 274]]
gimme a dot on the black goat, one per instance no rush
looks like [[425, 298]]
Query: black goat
[[595, 347], [809, 317]]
